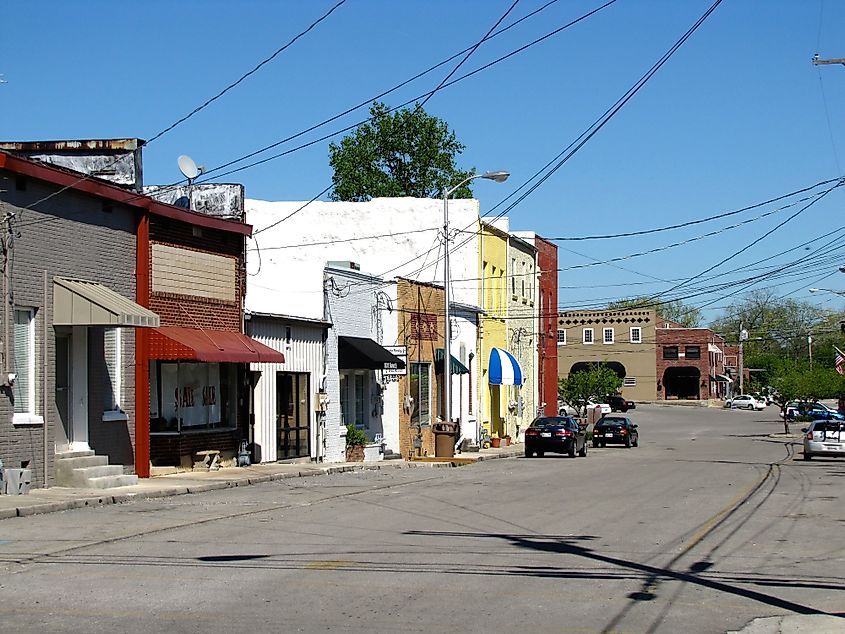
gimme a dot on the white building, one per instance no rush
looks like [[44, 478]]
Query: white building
[[387, 237]]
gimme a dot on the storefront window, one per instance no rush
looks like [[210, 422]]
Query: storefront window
[[192, 396], [420, 386]]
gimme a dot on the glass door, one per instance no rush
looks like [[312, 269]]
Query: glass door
[[293, 412]]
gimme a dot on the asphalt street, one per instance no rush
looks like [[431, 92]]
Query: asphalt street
[[710, 523]]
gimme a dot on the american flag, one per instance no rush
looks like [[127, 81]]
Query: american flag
[[839, 361]]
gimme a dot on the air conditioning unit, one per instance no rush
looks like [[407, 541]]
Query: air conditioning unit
[[344, 264], [17, 481]]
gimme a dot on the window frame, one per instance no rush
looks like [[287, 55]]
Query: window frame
[[692, 352], [639, 337], [561, 341], [416, 370], [670, 357], [604, 338], [30, 415], [584, 337]]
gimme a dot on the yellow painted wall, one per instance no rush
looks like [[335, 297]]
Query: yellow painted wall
[[493, 259]]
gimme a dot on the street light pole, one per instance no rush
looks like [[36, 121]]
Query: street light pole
[[498, 177]]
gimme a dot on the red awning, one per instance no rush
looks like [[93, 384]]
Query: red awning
[[171, 343]]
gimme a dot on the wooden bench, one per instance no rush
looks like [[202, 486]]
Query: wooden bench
[[209, 460]]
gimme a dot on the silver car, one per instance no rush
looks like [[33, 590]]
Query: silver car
[[824, 438]]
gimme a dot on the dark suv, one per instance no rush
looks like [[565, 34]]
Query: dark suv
[[619, 404]]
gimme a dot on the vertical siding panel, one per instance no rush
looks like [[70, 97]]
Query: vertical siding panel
[[305, 355]]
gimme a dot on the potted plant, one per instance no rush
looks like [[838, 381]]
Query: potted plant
[[355, 441], [495, 441]]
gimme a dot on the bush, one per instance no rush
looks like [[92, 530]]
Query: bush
[[355, 437], [804, 419]]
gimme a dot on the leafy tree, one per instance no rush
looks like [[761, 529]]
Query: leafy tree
[[406, 152], [797, 381], [776, 326], [675, 310], [592, 384]]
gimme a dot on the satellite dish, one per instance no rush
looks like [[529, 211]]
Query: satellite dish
[[188, 167], [183, 201]]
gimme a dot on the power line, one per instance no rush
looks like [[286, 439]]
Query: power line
[[243, 77], [409, 101]]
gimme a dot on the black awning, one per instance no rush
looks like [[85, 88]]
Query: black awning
[[360, 353]]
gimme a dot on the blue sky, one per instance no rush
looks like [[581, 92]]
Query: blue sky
[[739, 115]]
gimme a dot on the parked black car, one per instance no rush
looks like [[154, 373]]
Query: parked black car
[[558, 434], [615, 429], [619, 404]]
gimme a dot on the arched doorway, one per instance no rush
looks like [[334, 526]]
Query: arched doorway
[[583, 366], [682, 383]]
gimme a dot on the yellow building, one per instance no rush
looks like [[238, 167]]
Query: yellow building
[[496, 396]]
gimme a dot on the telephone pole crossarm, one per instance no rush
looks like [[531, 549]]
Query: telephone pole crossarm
[[817, 61]]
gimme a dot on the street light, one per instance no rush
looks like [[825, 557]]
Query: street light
[[826, 290], [499, 177]]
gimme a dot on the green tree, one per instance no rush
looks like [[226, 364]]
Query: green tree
[[675, 310], [405, 152], [592, 384], [793, 380], [776, 326]]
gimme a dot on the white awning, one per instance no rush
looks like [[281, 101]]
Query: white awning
[[83, 303], [711, 347]]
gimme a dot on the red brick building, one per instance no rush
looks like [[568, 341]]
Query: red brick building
[[690, 363]]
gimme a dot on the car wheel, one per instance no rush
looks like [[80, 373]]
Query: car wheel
[[628, 442], [636, 443], [583, 452], [604, 443], [807, 456], [571, 451]]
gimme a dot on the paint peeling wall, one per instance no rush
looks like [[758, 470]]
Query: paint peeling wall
[[222, 200]]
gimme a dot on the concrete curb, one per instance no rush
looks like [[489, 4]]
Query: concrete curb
[[77, 501]]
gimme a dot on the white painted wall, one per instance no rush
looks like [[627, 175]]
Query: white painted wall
[[400, 237]]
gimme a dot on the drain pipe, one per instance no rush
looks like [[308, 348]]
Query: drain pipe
[[45, 322]]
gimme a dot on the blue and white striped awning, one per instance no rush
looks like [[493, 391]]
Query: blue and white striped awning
[[504, 368]]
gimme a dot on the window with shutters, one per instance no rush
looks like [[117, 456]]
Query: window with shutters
[[113, 353], [24, 384]]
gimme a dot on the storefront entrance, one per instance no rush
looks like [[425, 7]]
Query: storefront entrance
[[293, 412]]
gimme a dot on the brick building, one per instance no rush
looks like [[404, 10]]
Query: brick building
[[71, 324], [546, 319], [690, 363]]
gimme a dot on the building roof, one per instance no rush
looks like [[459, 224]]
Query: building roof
[[78, 181]]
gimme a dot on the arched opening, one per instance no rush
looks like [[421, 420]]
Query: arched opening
[[583, 366], [682, 383]]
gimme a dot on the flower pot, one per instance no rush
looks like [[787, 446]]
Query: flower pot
[[507, 440], [496, 442]]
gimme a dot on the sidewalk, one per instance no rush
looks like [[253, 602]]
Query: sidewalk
[[63, 499]]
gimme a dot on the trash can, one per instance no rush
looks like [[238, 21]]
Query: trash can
[[445, 437]]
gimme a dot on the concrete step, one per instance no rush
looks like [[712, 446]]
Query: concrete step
[[66, 468], [112, 481], [74, 454], [82, 477]]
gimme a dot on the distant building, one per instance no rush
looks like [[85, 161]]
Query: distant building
[[690, 363], [623, 339]]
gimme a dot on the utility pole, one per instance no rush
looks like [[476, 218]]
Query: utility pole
[[743, 335]]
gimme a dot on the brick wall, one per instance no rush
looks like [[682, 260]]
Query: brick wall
[[547, 302], [70, 235], [413, 300], [709, 364], [349, 301]]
